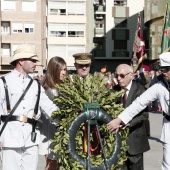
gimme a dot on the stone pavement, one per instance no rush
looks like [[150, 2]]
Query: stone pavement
[[152, 158]]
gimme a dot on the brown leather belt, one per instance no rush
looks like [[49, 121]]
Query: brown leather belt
[[24, 119], [166, 116]]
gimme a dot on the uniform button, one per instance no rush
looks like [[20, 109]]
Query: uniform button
[[23, 107]]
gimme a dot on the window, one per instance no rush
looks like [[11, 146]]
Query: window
[[76, 30], [99, 25], [57, 8], [98, 46], [99, 16], [120, 45], [29, 6], [65, 51], [5, 27], [76, 8], [8, 5], [120, 22], [99, 49], [120, 34], [66, 8], [5, 50], [17, 28], [57, 30], [120, 2], [72, 49], [66, 30], [57, 50], [29, 28]]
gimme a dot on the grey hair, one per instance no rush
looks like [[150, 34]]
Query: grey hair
[[126, 66]]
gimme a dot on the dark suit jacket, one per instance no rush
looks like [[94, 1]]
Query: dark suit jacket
[[137, 140], [154, 80]]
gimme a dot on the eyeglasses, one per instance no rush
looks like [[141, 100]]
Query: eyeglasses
[[121, 75]]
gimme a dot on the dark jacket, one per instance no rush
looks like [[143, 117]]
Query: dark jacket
[[154, 80], [137, 140]]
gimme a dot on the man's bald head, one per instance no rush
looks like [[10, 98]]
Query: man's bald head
[[124, 75]]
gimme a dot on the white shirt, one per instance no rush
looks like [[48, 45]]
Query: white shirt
[[128, 88], [156, 92], [18, 134]]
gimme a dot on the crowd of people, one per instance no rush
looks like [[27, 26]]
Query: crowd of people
[[24, 101]]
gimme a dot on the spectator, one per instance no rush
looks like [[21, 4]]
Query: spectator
[[137, 140], [56, 71]]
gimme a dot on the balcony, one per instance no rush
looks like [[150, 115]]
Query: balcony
[[99, 32], [120, 11], [120, 2], [99, 8]]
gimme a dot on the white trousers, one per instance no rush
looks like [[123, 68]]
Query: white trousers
[[25, 158], [166, 157]]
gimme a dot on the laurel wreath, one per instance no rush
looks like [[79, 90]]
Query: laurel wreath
[[74, 92]]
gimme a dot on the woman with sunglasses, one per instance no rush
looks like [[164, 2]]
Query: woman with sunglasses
[[56, 71]]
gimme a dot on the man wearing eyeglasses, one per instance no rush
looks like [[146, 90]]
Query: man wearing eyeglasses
[[159, 91], [137, 140]]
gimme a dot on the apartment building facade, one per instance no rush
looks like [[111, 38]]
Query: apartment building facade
[[106, 28], [69, 26], [118, 24], [100, 27], [22, 21]]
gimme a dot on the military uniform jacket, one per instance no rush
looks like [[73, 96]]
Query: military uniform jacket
[[18, 134], [137, 139], [157, 92]]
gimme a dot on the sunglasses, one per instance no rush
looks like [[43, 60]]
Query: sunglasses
[[121, 75]]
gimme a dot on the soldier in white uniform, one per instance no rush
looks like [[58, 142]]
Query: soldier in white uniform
[[159, 91], [18, 151]]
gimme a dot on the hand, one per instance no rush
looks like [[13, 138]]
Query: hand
[[114, 125]]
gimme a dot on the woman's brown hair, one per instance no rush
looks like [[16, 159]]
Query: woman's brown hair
[[52, 76]]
